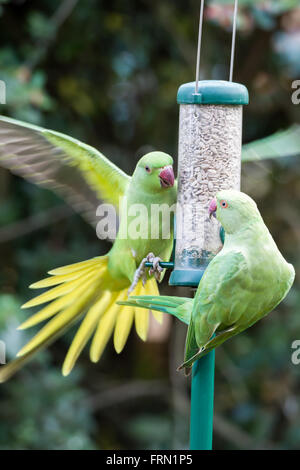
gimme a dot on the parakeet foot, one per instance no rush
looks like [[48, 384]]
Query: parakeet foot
[[156, 268], [141, 272]]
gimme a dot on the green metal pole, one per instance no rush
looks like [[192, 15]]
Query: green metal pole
[[202, 403]]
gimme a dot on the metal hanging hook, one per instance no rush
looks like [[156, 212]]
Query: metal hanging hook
[[199, 47], [200, 41], [233, 39]]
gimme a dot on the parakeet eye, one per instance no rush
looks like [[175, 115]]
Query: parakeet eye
[[224, 204], [148, 169]]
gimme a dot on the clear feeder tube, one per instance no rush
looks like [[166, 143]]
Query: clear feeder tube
[[209, 159]]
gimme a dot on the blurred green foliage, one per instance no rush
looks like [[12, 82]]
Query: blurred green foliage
[[107, 73]]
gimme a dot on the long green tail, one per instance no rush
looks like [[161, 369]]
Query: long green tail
[[179, 307], [213, 343], [191, 347]]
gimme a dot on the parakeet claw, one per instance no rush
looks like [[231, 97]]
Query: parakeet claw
[[140, 272], [156, 268]]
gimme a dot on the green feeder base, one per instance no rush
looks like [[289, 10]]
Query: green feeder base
[[189, 277], [186, 277]]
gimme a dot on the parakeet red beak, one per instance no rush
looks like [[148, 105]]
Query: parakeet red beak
[[212, 208], [166, 177]]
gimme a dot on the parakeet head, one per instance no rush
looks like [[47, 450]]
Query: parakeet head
[[154, 172], [233, 209]]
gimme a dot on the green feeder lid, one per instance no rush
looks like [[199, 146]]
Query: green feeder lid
[[213, 92]]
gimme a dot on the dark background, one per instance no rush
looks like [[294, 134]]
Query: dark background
[[107, 72]]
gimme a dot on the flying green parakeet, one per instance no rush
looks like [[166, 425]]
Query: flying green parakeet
[[245, 281], [90, 289]]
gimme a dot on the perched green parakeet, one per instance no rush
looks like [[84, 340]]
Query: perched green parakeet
[[89, 289], [245, 281]]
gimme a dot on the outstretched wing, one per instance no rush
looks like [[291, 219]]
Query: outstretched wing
[[281, 144], [77, 172]]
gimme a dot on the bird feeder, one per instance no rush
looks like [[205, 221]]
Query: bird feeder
[[209, 159]]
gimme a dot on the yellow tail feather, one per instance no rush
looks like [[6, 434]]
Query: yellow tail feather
[[7, 371], [58, 291], [63, 319], [105, 328], [86, 330], [78, 292], [51, 309], [152, 289], [141, 315], [70, 268], [123, 326], [59, 279]]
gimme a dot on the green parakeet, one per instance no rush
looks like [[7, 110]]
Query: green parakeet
[[89, 289], [245, 281]]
